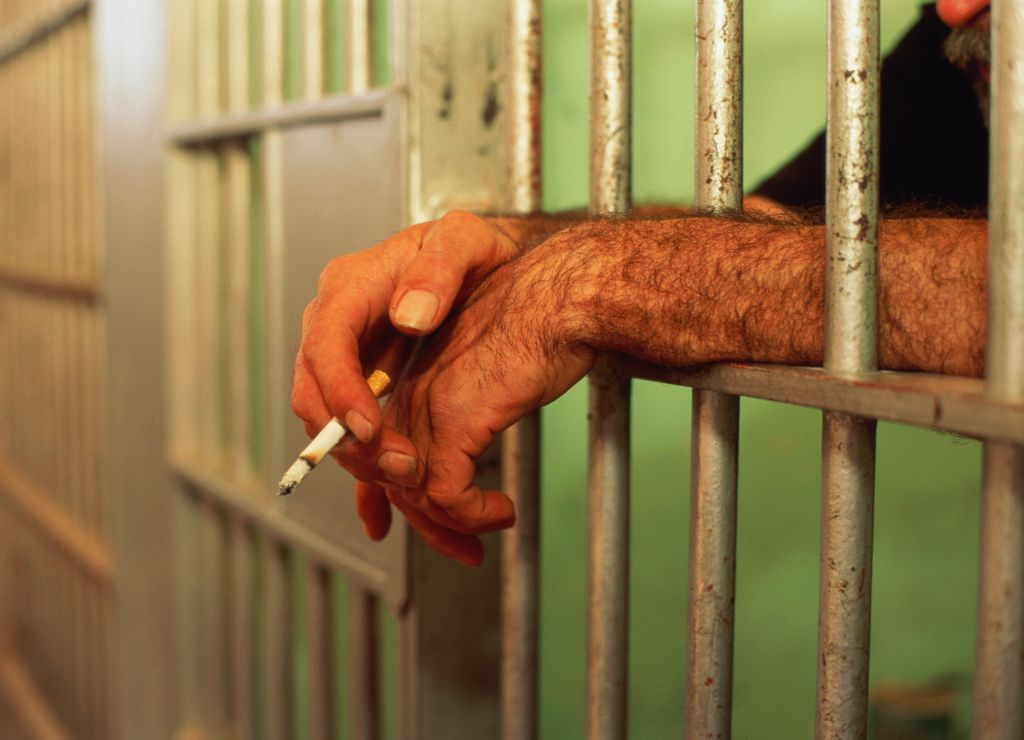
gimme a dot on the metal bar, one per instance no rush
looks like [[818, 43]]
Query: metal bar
[[999, 657], [520, 464], [364, 650], [305, 113], [524, 99], [241, 555], [53, 21], [360, 51], [36, 507], [237, 54], [318, 667], [27, 703], [237, 186], [712, 565], [313, 48], [608, 561], [942, 402], [252, 504], [848, 443], [209, 90], [273, 52], [715, 417]]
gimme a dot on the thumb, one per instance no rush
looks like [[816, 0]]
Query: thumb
[[459, 250]]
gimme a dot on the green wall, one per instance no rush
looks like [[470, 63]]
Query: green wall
[[926, 510]]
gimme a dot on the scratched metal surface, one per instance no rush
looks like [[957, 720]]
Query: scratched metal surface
[[718, 185]]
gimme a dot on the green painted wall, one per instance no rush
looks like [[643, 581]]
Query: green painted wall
[[926, 510]]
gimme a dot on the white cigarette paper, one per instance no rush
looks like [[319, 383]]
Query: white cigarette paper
[[328, 438]]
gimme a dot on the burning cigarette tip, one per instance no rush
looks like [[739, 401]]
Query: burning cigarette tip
[[326, 440]]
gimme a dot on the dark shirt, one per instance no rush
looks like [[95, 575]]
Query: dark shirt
[[934, 143]]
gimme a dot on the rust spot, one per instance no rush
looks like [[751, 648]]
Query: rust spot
[[708, 681], [491, 105], [447, 93]]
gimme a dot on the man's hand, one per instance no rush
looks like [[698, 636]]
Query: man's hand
[[366, 304], [513, 346], [675, 292]]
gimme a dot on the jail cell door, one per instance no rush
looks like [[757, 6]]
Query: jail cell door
[[303, 130]]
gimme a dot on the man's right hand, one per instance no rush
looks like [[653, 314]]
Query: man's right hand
[[365, 303]]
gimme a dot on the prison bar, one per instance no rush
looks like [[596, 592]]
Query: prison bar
[[360, 49], [54, 20], [520, 464], [848, 442], [313, 48], [609, 403], [999, 657], [713, 461]]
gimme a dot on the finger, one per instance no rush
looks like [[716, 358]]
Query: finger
[[458, 248], [332, 350], [451, 470], [374, 509], [307, 401], [419, 500], [467, 549], [389, 456]]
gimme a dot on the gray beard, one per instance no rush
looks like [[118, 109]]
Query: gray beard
[[968, 48]]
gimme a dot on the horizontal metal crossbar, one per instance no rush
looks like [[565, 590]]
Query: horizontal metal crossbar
[[35, 281], [256, 508], [17, 41], [947, 403], [27, 703], [234, 125], [37, 507]]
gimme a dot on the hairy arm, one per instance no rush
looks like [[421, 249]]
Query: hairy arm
[[677, 291], [695, 290]]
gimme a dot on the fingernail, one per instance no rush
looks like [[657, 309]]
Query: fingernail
[[416, 309], [399, 468], [359, 426]]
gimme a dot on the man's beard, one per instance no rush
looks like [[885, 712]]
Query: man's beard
[[968, 48]]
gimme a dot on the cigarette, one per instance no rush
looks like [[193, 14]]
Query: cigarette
[[328, 438]]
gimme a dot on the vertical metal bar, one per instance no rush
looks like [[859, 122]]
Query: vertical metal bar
[[316, 649], [208, 80], [715, 417], [848, 443], [521, 444], [240, 612], [273, 52], [364, 668], [608, 562], [524, 101], [237, 186], [999, 657], [237, 56], [360, 61], [313, 48]]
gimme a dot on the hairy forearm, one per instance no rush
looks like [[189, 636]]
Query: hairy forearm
[[687, 291]]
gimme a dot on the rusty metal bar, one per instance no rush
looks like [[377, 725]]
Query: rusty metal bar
[[521, 444], [715, 418], [848, 443], [608, 581], [999, 658], [608, 561], [944, 402]]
